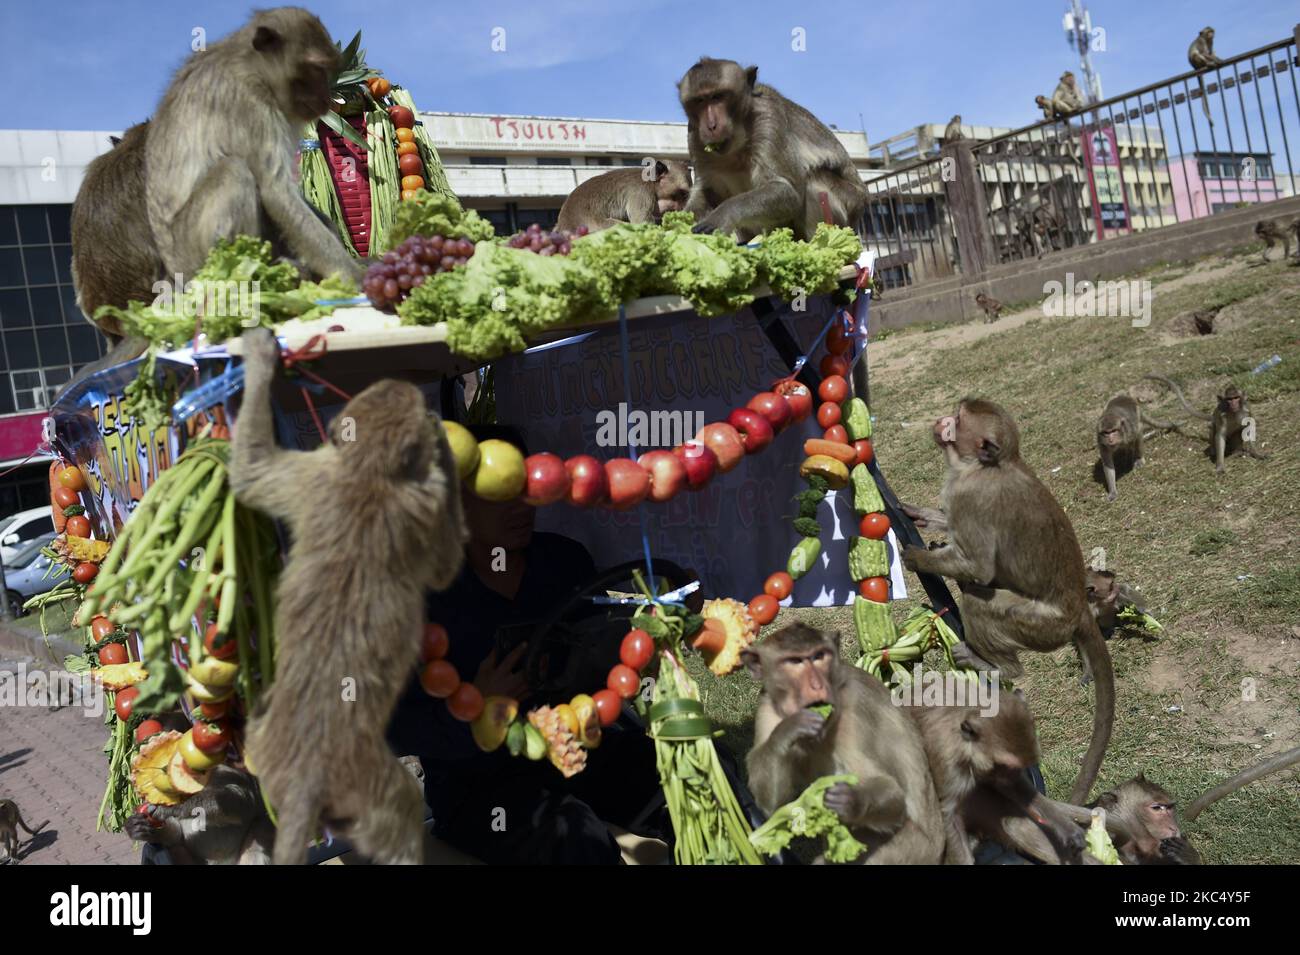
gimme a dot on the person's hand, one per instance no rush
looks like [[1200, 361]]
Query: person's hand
[[500, 678]]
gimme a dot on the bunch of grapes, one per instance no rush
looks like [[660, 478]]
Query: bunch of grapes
[[390, 280], [556, 242]]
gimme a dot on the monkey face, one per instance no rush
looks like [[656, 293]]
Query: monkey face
[[1231, 400], [1111, 437], [715, 95], [297, 59], [1158, 817]]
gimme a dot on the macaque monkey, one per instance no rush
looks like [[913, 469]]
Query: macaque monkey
[[1281, 761], [1119, 436], [1143, 822], [952, 132], [1200, 56], [892, 809], [1015, 556], [1066, 98], [221, 154], [10, 821], [223, 824], [1045, 104], [1268, 231], [626, 195], [1108, 597], [979, 765], [761, 161], [991, 306], [348, 630], [1232, 427]]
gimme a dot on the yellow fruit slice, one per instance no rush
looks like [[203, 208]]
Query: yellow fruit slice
[[183, 779], [149, 773], [118, 676], [210, 694]]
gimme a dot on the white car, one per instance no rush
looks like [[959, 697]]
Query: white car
[[17, 530]]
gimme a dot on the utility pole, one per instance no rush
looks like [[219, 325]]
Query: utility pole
[[1078, 33]]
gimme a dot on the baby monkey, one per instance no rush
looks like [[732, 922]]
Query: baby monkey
[[1232, 426], [1119, 437]]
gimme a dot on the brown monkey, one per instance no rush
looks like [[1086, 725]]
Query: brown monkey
[[1108, 597], [1119, 436], [991, 306], [952, 132], [1015, 555], [892, 809], [978, 762], [1232, 426], [761, 161], [1200, 56], [10, 820], [627, 195], [1045, 104], [1227, 788], [224, 824], [1066, 98], [220, 155], [348, 631], [1142, 819], [1268, 231]]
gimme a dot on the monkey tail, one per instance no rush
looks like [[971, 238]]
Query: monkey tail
[[1179, 392], [1280, 761], [28, 829], [1205, 100], [298, 817], [1093, 648]]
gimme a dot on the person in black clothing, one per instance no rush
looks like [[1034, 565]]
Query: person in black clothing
[[494, 806]]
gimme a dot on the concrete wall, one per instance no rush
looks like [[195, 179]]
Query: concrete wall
[[953, 299]]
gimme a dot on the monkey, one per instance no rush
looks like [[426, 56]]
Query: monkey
[[220, 154], [626, 195], [10, 820], [1108, 597], [223, 824], [991, 306], [1119, 435], [348, 632], [1230, 786], [761, 161], [1047, 226], [1142, 819], [1271, 233], [1066, 99], [978, 763], [1200, 56], [1049, 110], [1232, 427], [952, 132], [893, 808], [1015, 556]]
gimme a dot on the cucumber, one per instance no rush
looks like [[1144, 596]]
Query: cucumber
[[866, 497], [874, 625], [802, 557], [856, 418], [867, 558]]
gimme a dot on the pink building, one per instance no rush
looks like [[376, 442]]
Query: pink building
[[1208, 182]]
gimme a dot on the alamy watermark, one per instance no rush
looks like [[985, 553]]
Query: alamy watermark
[[1087, 299], [55, 688], [219, 298], [930, 687], [648, 429]]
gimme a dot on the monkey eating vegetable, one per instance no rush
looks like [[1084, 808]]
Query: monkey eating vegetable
[[626, 195]]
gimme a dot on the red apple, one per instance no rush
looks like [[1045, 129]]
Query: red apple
[[772, 407], [587, 482], [547, 479], [700, 462], [629, 483], [667, 473], [797, 396], [724, 441], [755, 431]]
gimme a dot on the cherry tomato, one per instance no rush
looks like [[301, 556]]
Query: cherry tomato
[[624, 681], [146, 729], [215, 711], [828, 414], [833, 388], [401, 116], [865, 451], [78, 527], [72, 479], [66, 497], [101, 627], [875, 588], [211, 737], [111, 653], [779, 585], [837, 434], [410, 165], [763, 609], [834, 365], [436, 642], [466, 703], [637, 649], [223, 646], [439, 679], [85, 572], [874, 526], [405, 135], [837, 339], [608, 706], [124, 701]]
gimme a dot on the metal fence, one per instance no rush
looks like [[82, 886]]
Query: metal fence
[[1181, 149]]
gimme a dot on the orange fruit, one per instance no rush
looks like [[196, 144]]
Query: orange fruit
[[406, 135], [412, 182], [466, 703], [405, 149], [439, 679]]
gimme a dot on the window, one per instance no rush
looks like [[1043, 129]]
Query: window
[[554, 161], [487, 160], [543, 217], [8, 227], [599, 161], [631, 162], [35, 528], [35, 388]]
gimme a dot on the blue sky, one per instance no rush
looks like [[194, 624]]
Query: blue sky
[[103, 65]]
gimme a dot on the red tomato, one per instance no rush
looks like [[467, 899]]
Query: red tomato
[[837, 339], [78, 526], [402, 117], [875, 526], [779, 585], [101, 627], [439, 679], [608, 706], [210, 737], [112, 653], [798, 396], [466, 703], [637, 649], [436, 642], [146, 729], [124, 701], [763, 609], [72, 479], [833, 388], [215, 711], [65, 497], [875, 588], [624, 681], [85, 572], [834, 365], [837, 434], [828, 414], [409, 164], [865, 451], [223, 646]]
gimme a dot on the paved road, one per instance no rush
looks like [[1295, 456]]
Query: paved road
[[52, 765]]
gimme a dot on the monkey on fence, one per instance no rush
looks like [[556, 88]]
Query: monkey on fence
[[643, 194], [1065, 100], [1200, 56], [348, 630], [892, 808], [761, 161], [1232, 427], [10, 821], [952, 132]]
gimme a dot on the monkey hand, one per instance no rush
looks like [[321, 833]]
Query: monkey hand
[[261, 351], [801, 728], [843, 800], [141, 827], [914, 557], [719, 220], [1178, 851]]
